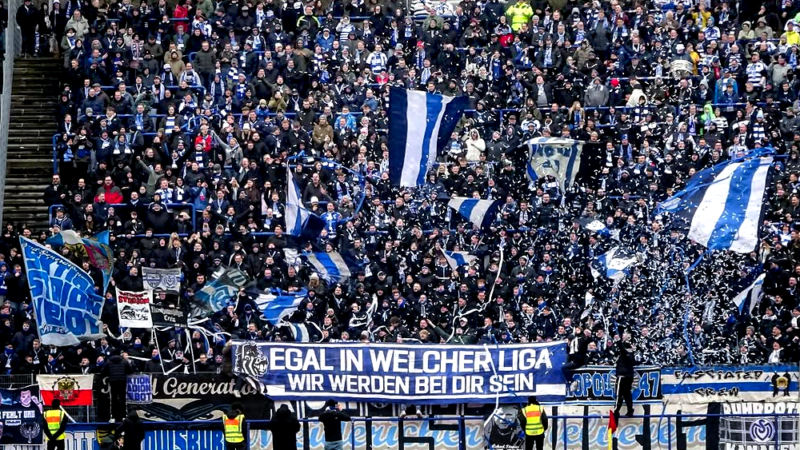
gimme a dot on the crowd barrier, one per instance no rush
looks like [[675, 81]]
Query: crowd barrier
[[645, 431], [722, 407]]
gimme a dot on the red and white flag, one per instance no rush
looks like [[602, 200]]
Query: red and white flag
[[72, 390]]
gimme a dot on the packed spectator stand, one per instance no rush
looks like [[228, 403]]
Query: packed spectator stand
[[177, 123]]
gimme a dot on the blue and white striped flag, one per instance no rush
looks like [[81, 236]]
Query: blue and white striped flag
[[300, 222], [750, 297], [299, 332], [275, 307], [723, 205], [458, 259], [613, 265], [419, 125], [559, 157], [332, 266], [596, 226], [479, 212]]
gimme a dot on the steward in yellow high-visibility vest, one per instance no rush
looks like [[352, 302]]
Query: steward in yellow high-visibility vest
[[533, 421], [233, 427], [55, 423]]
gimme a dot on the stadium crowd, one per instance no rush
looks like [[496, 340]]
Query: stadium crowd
[[177, 122]]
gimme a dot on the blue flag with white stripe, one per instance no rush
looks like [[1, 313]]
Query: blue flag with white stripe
[[480, 212], [420, 124], [723, 205], [333, 266], [559, 157], [274, 307], [300, 222], [458, 259], [750, 297], [613, 264]]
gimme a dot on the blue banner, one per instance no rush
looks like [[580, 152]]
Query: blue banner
[[596, 384], [140, 389], [67, 306], [403, 373]]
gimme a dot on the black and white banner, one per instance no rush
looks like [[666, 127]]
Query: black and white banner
[[168, 317], [168, 280], [134, 309]]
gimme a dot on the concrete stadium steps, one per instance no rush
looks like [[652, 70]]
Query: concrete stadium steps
[[30, 140]]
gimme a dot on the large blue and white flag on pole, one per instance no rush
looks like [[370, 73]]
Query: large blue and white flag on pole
[[275, 307], [332, 266], [750, 297], [559, 157], [67, 307], [723, 205], [300, 222], [480, 212], [419, 125], [613, 264]]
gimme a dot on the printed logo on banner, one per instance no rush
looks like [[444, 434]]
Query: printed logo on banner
[[503, 429], [161, 279], [780, 383], [66, 389], [250, 361], [30, 430], [762, 430]]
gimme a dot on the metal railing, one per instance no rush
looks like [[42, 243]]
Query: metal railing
[[565, 431]]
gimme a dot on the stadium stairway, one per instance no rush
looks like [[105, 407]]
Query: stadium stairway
[[30, 140]]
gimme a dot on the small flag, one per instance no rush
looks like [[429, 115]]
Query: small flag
[[70, 390], [458, 259], [420, 124], [554, 156], [480, 212], [96, 250], [300, 222], [333, 266], [750, 297], [612, 428], [300, 332], [276, 307], [614, 264]]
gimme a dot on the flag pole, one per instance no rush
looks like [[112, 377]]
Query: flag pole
[[158, 347]]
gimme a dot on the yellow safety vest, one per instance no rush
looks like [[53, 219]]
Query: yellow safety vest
[[533, 420], [53, 418], [233, 429]]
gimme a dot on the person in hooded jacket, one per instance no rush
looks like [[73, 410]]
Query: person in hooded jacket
[[284, 426], [132, 428], [117, 371]]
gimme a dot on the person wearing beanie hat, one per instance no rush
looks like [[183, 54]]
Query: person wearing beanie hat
[[533, 420]]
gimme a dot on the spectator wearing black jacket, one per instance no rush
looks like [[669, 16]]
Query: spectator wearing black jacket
[[117, 370], [625, 371], [332, 421], [284, 427]]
